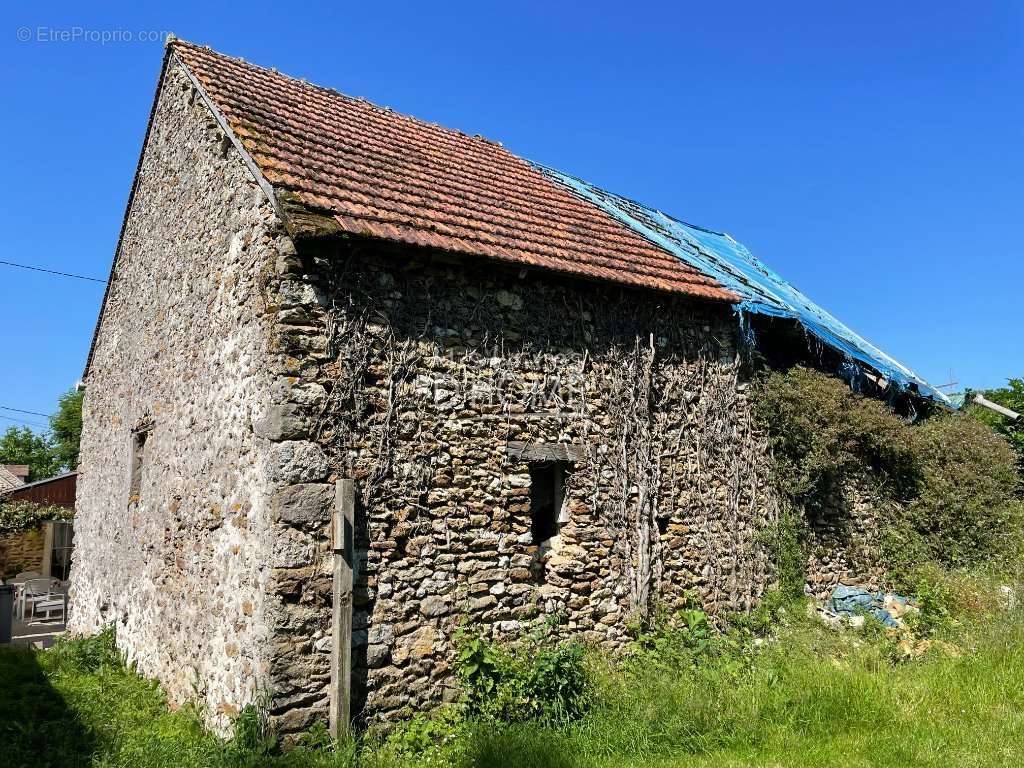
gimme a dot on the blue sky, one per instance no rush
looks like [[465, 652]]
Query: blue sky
[[872, 154]]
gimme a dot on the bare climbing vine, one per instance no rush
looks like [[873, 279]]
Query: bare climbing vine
[[662, 418]]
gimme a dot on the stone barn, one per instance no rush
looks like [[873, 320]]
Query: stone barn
[[357, 377]]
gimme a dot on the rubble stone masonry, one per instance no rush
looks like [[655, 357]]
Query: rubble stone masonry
[[432, 382], [180, 563], [22, 551]]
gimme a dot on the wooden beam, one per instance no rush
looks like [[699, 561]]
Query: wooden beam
[[342, 544], [982, 401]]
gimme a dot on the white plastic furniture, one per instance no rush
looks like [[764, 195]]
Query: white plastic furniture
[[37, 593]]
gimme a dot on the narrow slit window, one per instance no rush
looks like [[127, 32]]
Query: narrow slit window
[[547, 495], [139, 438]]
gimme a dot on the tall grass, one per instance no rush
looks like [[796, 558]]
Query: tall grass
[[812, 698], [809, 697]]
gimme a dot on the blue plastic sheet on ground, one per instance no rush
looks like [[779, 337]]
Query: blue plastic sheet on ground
[[852, 601], [761, 290]]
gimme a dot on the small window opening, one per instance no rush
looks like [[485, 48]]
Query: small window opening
[[547, 497], [139, 438]]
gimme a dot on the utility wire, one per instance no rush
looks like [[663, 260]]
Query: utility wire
[[25, 421], [52, 272], [20, 410]]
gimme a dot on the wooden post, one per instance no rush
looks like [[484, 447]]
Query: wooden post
[[342, 535], [47, 548]]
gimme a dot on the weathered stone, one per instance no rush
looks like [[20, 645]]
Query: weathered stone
[[433, 607], [377, 656], [282, 422], [481, 604], [183, 345], [421, 643], [304, 504], [299, 462]]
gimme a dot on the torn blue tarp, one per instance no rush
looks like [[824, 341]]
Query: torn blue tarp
[[761, 290], [852, 601]]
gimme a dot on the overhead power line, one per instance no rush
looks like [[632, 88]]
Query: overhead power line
[[52, 272], [25, 421], [22, 410]]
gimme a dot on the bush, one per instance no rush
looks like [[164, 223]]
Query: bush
[[951, 482], [1011, 396], [966, 479], [821, 433], [536, 678], [784, 541], [17, 516], [671, 642]]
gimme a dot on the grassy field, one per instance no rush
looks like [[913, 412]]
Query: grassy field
[[808, 697]]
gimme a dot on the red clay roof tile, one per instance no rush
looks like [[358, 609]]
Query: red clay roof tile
[[381, 174]]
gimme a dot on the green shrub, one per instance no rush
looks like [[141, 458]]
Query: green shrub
[[535, 678], [1011, 396], [949, 484], [822, 433], [675, 642], [17, 516], [785, 542], [966, 482]]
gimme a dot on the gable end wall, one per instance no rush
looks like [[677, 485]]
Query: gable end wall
[[184, 343]]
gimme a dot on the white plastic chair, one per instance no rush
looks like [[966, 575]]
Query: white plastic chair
[[19, 591], [41, 594]]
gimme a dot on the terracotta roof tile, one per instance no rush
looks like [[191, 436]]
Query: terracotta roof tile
[[381, 174], [8, 478]]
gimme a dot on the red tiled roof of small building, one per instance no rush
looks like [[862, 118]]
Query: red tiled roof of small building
[[380, 174]]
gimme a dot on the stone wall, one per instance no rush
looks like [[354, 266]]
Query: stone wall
[[420, 377], [844, 537], [261, 374], [22, 551], [180, 564]]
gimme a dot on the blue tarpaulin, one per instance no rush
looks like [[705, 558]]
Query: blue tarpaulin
[[852, 601], [761, 290]]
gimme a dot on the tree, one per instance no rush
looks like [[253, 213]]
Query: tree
[[20, 445], [66, 429], [1012, 397], [47, 454]]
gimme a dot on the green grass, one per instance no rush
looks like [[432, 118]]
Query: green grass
[[810, 697], [77, 705], [814, 698]]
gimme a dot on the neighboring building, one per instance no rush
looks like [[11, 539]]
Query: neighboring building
[[56, 491], [46, 547], [12, 475], [539, 393]]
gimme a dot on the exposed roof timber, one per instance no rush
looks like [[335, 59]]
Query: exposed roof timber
[[1000, 409]]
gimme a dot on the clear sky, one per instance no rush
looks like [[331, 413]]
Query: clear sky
[[870, 152]]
